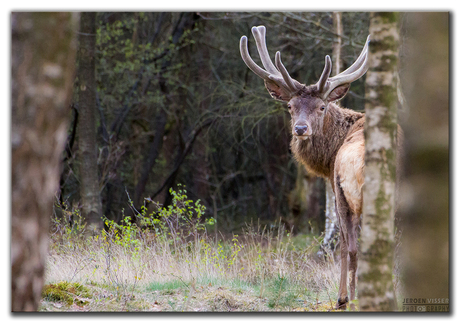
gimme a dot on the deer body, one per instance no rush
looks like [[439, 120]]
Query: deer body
[[326, 138], [336, 152]]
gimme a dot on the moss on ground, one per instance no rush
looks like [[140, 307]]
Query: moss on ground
[[67, 293]]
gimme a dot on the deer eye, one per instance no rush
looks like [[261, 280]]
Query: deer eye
[[322, 108], [289, 106]]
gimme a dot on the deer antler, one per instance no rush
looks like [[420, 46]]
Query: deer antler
[[273, 74], [326, 84]]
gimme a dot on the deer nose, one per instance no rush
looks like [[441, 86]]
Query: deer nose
[[300, 130]]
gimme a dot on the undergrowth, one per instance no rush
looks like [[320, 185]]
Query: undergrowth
[[162, 258]]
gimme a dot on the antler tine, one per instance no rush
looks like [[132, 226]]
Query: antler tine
[[354, 72], [275, 74], [359, 61], [291, 83], [259, 36], [325, 75], [348, 78], [248, 60]]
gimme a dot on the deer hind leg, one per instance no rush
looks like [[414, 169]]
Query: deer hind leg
[[353, 253], [342, 300], [348, 246]]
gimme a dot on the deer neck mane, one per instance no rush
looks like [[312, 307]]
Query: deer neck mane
[[318, 152]]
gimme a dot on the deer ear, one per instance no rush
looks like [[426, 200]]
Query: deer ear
[[277, 92], [338, 93]]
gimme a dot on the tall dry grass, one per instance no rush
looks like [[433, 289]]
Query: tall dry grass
[[176, 249], [251, 257]]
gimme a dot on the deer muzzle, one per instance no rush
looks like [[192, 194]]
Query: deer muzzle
[[302, 131]]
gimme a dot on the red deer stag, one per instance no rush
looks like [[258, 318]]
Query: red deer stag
[[326, 138]]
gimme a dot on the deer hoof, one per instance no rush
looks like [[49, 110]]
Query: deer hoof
[[342, 303]]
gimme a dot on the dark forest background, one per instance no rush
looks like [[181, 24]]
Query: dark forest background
[[175, 104]]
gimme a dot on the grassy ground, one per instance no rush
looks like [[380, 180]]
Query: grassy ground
[[258, 271], [168, 262]]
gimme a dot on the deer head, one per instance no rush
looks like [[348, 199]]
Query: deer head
[[307, 104]]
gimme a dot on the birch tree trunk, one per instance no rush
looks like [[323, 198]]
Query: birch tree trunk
[[337, 48], [331, 228], [375, 283], [86, 87], [43, 63]]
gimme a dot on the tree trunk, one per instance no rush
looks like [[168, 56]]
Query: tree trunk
[[425, 195], [331, 230], [86, 87], [43, 61], [155, 145], [375, 274], [305, 203], [337, 47], [329, 242]]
